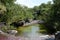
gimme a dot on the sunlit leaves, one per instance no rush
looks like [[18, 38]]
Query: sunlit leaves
[[2, 9]]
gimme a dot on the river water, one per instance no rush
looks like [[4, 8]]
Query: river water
[[32, 33]]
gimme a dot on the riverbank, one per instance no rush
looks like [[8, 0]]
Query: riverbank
[[36, 37]]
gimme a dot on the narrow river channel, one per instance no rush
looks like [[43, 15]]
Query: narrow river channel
[[28, 33], [32, 33]]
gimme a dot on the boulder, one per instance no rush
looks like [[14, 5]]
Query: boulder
[[12, 32], [57, 36]]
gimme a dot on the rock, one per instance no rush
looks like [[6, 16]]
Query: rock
[[57, 35], [1, 32], [12, 32]]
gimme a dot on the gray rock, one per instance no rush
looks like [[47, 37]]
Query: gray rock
[[57, 35], [13, 32], [1, 32]]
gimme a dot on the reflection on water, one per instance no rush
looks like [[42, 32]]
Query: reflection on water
[[31, 31], [35, 30]]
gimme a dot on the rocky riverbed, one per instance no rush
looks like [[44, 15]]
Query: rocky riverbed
[[36, 37]]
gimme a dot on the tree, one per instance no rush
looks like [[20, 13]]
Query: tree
[[15, 12], [47, 16], [56, 13], [2, 11]]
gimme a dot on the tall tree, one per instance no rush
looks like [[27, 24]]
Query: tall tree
[[56, 13]]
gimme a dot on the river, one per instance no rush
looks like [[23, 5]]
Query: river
[[32, 33], [28, 33]]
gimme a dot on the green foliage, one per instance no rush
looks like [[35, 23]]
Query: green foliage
[[11, 12], [2, 11], [4, 29], [56, 13], [7, 2], [50, 13], [14, 12]]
